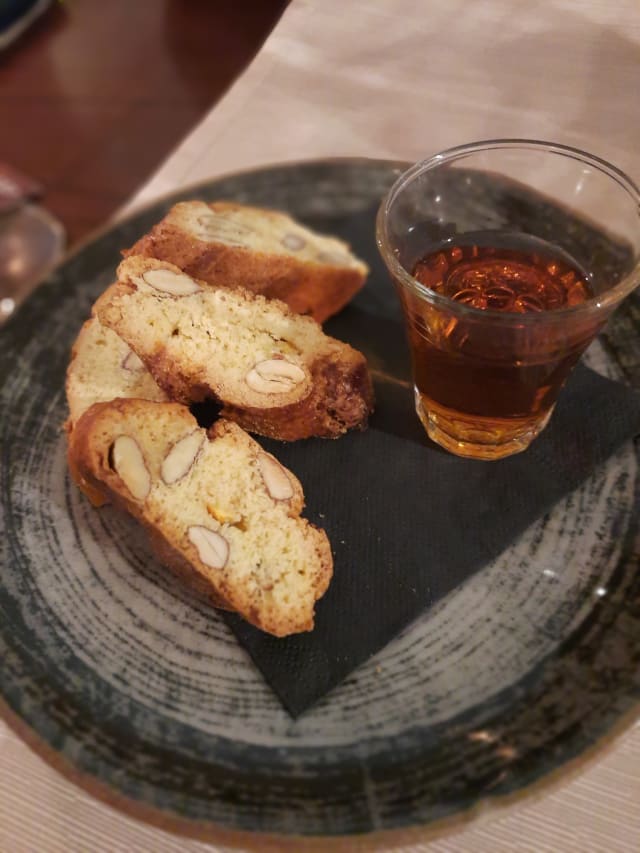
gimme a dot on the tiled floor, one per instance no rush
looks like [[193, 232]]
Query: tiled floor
[[97, 94]]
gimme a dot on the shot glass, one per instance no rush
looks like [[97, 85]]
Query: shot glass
[[508, 257]]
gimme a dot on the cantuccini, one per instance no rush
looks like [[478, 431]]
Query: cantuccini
[[265, 251], [274, 372], [221, 511]]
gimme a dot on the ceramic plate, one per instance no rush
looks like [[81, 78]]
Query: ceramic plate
[[125, 675]]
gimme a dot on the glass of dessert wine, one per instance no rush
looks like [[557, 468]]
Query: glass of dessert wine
[[508, 257]]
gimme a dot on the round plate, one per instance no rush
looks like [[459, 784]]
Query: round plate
[[137, 684]]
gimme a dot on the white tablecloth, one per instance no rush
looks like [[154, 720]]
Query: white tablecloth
[[398, 79]]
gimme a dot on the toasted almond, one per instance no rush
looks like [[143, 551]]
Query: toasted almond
[[132, 362], [212, 548], [335, 259], [212, 226], [171, 283], [276, 479], [274, 376], [180, 459], [129, 464], [293, 242]]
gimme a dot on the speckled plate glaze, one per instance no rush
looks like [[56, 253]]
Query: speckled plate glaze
[[126, 676]]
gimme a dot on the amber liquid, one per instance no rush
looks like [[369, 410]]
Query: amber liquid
[[485, 389]]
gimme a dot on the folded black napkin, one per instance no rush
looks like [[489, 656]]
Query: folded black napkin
[[408, 522]]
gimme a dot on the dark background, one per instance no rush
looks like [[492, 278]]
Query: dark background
[[96, 94]]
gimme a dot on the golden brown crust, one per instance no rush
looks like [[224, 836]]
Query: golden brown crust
[[317, 289], [85, 457], [95, 495]]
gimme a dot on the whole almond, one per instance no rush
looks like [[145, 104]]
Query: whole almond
[[213, 549], [129, 464], [179, 460]]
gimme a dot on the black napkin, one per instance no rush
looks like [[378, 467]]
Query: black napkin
[[408, 522]]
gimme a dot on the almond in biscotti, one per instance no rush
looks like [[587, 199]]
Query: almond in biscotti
[[129, 464], [170, 282], [132, 362], [274, 376], [182, 456], [217, 228], [213, 549], [275, 478], [104, 367], [275, 373], [293, 242], [219, 510]]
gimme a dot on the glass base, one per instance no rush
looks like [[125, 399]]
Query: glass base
[[479, 438]]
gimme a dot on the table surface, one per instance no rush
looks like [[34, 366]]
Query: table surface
[[399, 80]]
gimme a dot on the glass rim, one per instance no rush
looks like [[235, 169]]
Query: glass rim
[[599, 303]]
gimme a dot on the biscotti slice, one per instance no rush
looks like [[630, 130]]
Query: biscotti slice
[[229, 511], [102, 367], [265, 251], [276, 373]]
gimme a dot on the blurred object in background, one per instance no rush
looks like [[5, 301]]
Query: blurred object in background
[[16, 16], [16, 188], [31, 239], [93, 97], [96, 94], [31, 243]]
